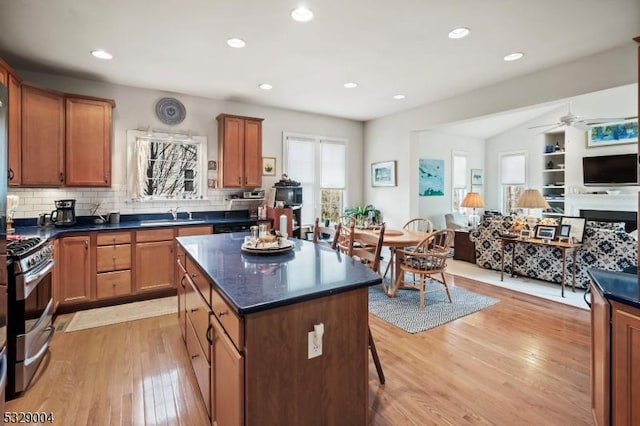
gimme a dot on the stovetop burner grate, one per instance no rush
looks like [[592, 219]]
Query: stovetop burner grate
[[19, 247]]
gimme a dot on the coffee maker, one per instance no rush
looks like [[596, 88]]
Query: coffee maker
[[65, 213]]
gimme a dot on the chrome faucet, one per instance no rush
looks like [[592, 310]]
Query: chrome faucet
[[174, 213], [189, 213]]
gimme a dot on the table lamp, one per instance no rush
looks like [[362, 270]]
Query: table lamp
[[473, 200], [532, 199]]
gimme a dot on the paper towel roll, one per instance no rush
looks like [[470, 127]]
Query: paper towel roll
[[283, 225]]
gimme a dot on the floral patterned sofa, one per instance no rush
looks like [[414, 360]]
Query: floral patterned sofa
[[606, 246]]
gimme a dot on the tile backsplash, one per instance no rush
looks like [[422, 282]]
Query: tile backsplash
[[33, 201]]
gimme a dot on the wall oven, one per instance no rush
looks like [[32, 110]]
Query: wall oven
[[30, 299]]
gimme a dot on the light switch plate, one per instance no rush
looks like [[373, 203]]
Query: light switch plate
[[315, 350]]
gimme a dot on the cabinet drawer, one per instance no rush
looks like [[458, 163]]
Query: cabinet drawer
[[112, 238], [198, 278], [113, 258], [185, 231], [198, 312], [113, 284], [164, 234], [201, 367], [230, 321]]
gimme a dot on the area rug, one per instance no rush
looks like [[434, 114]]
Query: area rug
[[404, 311], [121, 313]]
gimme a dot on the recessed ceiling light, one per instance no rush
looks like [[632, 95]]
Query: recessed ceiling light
[[399, 96], [236, 42], [301, 14], [351, 85], [513, 56], [265, 86], [101, 54], [459, 33]]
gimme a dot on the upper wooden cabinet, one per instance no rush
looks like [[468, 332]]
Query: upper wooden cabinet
[[42, 145], [14, 128], [88, 141], [66, 139], [240, 151]]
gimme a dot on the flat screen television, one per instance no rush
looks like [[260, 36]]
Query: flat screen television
[[605, 170]]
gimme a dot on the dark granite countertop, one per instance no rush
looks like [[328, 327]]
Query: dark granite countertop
[[253, 283], [617, 286], [27, 227]]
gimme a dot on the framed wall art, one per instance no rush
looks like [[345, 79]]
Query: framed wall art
[[383, 173], [430, 177], [477, 177], [618, 133], [268, 166]]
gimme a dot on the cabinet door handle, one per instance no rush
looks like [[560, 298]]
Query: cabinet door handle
[[106, 178], [239, 180], [61, 177], [245, 180], [194, 309], [222, 313], [195, 356], [11, 174], [194, 275], [208, 334], [86, 244]]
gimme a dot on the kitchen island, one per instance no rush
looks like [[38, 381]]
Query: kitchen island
[[247, 321]]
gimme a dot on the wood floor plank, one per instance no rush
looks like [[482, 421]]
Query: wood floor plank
[[523, 360]]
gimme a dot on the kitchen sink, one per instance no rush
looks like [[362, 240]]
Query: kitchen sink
[[171, 222]]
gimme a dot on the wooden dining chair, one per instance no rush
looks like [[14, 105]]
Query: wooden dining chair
[[366, 248], [325, 235], [428, 258], [419, 224]]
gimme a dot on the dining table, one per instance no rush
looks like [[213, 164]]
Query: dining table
[[393, 239]]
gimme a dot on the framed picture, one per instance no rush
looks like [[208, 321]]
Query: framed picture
[[212, 165], [545, 232], [383, 174], [477, 176], [525, 234], [268, 166], [617, 133], [577, 227], [565, 231], [430, 177]]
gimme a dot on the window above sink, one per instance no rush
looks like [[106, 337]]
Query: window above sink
[[165, 166]]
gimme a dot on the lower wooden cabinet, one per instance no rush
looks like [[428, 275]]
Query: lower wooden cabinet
[[113, 284], [154, 265], [73, 269], [227, 379], [200, 364], [615, 361]]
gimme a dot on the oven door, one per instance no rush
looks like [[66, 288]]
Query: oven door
[[32, 345]]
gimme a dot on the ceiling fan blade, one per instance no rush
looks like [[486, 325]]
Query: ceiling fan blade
[[592, 121], [546, 125], [553, 128], [581, 126]]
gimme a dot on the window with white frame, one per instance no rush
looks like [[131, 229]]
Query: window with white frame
[[513, 178], [165, 166], [320, 165], [459, 179]]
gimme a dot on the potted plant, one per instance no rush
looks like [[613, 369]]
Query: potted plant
[[363, 213]]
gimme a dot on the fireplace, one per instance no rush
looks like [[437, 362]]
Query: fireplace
[[629, 218]]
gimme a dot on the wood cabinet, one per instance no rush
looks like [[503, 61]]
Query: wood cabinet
[[464, 248], [73, 269], [625, 371], [227, 379], [181, 271], [87, 141], [14, 125], [155, 259], [615, 361], [240, 151], [275, 213], [42, 144], [113, 264]]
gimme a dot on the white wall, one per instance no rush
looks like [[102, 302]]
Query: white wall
[[616, 102], [135, 109], [390, 138], [438, 145]]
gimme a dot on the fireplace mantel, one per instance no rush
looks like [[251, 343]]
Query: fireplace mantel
[[614, 202]]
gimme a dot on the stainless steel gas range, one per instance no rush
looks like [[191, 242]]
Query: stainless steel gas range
[[30, 309]]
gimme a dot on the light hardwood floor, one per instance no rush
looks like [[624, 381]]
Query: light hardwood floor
[[521, 361]]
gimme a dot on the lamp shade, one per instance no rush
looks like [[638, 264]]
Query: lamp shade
[[532, 199], [472, 199]]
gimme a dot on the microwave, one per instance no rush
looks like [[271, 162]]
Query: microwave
[[291, 195]]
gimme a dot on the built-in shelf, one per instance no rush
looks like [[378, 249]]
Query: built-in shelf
[[554, 172], [553, 186], [546, 154]]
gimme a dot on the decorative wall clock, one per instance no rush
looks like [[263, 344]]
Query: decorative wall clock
[[170, 111]]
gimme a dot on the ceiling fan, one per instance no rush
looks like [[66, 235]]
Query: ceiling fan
[[584, 124]]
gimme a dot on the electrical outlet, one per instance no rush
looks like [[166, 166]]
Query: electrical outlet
[[315, 345]]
